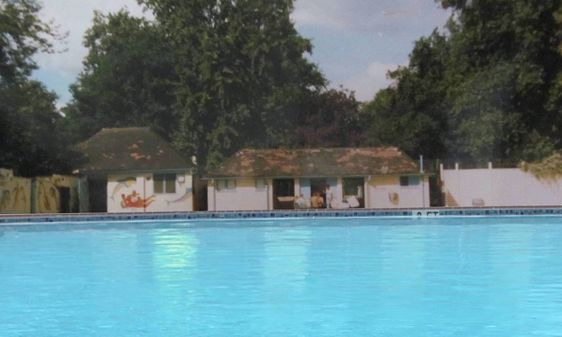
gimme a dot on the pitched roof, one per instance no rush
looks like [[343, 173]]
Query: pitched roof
[[316, 163], [128, 149]]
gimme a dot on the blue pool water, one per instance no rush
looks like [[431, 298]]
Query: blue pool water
[[340, 277]]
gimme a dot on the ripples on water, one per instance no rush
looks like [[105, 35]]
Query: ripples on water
[[345, 277]]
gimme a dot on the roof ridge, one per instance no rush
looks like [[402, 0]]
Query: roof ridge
[[247, 149]]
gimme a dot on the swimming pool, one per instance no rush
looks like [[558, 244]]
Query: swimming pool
[[316, 277]]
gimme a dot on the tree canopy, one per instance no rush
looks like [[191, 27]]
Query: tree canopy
[[211, 76], [486, 87], [330, 118], [29, 121], [216, 76], [242, 73], [22, 34], [128, 78]]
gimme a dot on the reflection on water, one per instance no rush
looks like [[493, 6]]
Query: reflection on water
[[352, 277], [174, 253], [285, 259]]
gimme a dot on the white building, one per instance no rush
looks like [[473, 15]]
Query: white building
[[381, 177], [133, 170]]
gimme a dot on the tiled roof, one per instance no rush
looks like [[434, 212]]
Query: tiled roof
[[128, 149], [317, 163]]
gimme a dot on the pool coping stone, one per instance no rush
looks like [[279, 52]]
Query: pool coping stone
[[309, 213]]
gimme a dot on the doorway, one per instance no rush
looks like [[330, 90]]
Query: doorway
[[64, 200], [97, 190], [283, 193]]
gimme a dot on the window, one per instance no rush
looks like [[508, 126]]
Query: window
[[225, 184], [284, 187], [165, 183], [409, 180], [353, 186], [260, 184]]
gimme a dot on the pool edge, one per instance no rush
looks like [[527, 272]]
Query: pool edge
[[316, 213]]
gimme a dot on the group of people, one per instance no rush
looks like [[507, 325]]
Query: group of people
[[316, 200]]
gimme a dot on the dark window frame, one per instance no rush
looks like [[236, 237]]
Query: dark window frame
[[167, 183], [410, 181]]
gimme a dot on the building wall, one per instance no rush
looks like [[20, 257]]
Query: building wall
[[135, 193], [36, 195], [15, 193], [381, 191], [245, 196], [386, 192], [498, 187], [47, 197]]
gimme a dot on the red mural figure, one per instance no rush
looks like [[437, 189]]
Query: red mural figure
[[134, 200]]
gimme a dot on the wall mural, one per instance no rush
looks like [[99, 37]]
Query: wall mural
[[5, 199], [134, 200], [183, 198], [121, 184], [48, 196], [14, 195]]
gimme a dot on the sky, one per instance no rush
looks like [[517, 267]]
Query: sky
[[356, 42]]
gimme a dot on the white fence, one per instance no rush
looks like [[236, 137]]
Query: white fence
[[498, 187]]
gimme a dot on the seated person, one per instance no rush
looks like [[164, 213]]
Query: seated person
[[300, 202], [317, 201]]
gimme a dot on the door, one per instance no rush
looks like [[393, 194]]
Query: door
[[64, 201], [97, 192]]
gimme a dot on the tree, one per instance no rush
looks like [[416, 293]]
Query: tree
[[411, 114], [330, 118], [242, 73], [485, 89], [22, 34], [29, 121], [32, 139], [128, 78]]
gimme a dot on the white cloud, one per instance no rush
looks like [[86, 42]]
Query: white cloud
[[318, 13], [343, 33], [371, 80], [74, 17], [366, 15]]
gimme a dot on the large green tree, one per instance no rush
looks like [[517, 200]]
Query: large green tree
[[411, 113], [484, 89], [128, 78], [31, 136], [505, 51], [29, 122], [242, 73]]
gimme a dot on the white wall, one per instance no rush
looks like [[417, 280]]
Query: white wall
[[143, 184], [245, 197], [499, 187], [382, 189]]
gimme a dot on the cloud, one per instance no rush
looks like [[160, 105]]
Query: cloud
[[74, 17], [371, 80], [318, 13], [347, 35], [367, 15]]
